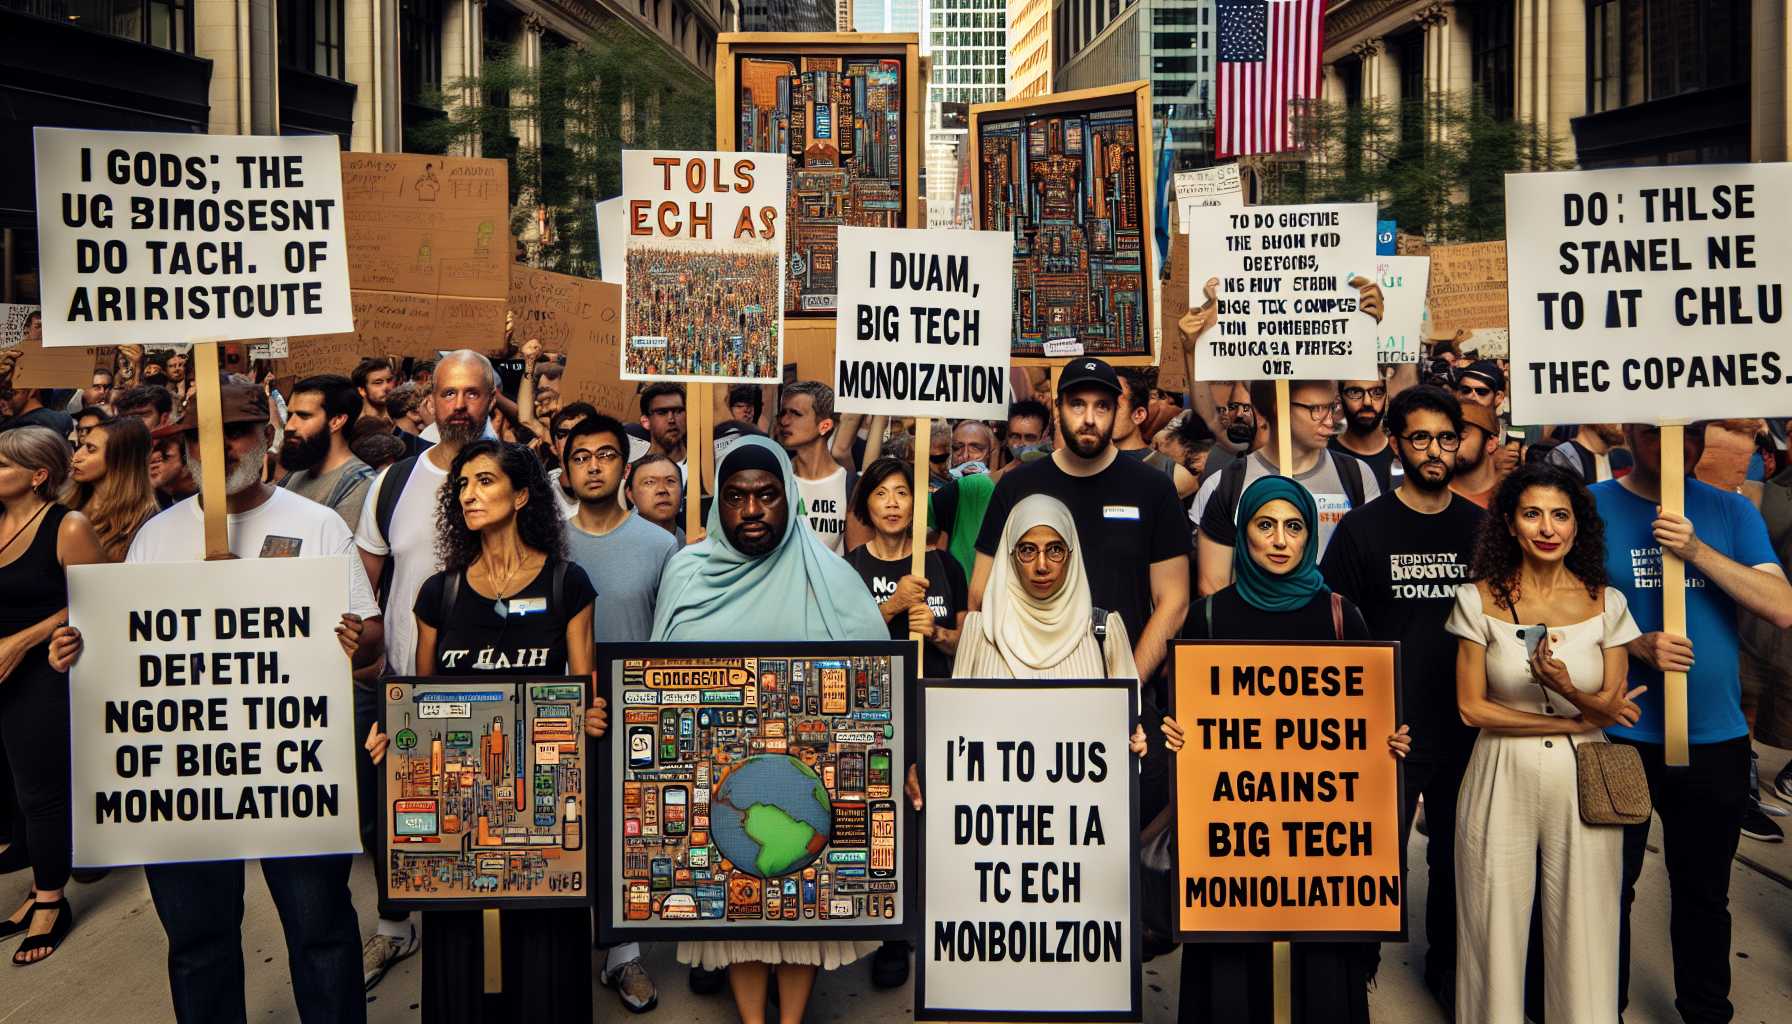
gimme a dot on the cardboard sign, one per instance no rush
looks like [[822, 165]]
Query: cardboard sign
[[170, 237], [754, 791], [704, 271], [592, 373], [484, 792], [912, 338], [1650, 295], [1291, 278], [329, 353], [1172, 371], [1218, 185], [212, 710], [1287, 798], [612, 238], [429, 251], [1468, 287], [1401, 333], [560, 310], [1030, 838]]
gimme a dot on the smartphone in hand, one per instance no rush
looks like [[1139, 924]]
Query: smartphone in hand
[[1532, 636]]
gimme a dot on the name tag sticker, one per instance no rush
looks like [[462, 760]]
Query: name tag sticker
[[528, 605], [1120, 512]]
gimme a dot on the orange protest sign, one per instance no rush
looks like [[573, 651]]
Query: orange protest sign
[[1287, 798]]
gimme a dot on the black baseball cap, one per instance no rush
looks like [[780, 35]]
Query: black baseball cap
[[1085, 371], [1487, 371]]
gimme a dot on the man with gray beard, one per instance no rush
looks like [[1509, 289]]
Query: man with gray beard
[[397, 538]]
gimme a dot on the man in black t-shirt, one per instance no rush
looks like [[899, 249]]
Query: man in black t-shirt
[[1364, 402], [1399, 559], [1131, 532]]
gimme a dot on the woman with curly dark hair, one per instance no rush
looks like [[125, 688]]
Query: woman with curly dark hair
[[1540, 667], [507, 600]]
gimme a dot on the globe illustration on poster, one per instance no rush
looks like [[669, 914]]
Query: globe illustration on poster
[[771, 816]]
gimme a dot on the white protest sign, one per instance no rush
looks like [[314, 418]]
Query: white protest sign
[[1651, 294], [911, 338], [1031, 847], [703, 271], [1210, 186], [13, 318], [1287, 298], [149, 237], [612, 239], [208, 724], [1403, 281], [273, 348]]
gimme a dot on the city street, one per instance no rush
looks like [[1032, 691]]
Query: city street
[[112, 966]]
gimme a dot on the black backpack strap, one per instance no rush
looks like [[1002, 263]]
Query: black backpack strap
[[391, 489], [450, 595], [1350, 473], [557, 589], [1589, 467], [1098, 624], [1231, 487], [346, 483]]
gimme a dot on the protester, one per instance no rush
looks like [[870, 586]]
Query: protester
[[39, 540], [1130, 415], [1482, 383], [1337, 481], [1276, 595], [374, 380], [746, 403], [506, 597], [956, 511], [320, 419], [397, 536], [1041, 622], [109, 483], [200, 904], [608, 541], [762, 573], [1029, 429], [1364, 404], [409, 407], [1539, 562], [557, 428], [805, 426], [1399, 559], [91, 417], [656, 491], [1136, 549], [1595, 452], [95, 395], [939, 454], [29, 409], [168, 470], [1730, 566], [973, 449], [1476, 472], [1766, 651], [931, 605], [152, 404], [663, 416]]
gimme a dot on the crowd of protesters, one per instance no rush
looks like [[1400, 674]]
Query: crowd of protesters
[[1104, 518]]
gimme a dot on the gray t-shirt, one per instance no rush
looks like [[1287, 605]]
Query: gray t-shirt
[[625, 566], [349, 497], [1321, 482]]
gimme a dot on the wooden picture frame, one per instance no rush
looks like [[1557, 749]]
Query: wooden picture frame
[[1137, 97]]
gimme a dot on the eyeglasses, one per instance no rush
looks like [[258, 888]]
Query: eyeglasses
[[1354, 394], [1321, 413], [606, 456], [1055, 552], [1474, 392], [1421, 440], [937, 456], [1235, 409]]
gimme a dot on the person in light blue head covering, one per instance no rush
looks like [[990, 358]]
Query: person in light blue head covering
[[761, 574]]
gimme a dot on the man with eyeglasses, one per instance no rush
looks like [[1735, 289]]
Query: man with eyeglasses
[[1477, 475], [1338, 481], [628, 554], [1399, 559], [1364, 403]]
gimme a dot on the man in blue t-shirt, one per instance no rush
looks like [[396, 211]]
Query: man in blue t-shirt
[[1729, 564]]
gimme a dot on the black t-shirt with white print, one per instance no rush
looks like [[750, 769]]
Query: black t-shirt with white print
[[530, 637]]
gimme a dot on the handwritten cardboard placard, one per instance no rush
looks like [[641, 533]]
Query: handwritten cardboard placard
[[593, 364], [1468, 287], [562, 311]]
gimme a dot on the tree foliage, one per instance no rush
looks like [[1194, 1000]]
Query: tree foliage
[[579, 109], [1436, 165]]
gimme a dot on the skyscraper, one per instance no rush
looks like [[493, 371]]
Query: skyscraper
[[969, 43], [787, 16], [886, 15]]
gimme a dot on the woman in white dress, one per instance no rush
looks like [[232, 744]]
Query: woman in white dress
[[1539, 561]]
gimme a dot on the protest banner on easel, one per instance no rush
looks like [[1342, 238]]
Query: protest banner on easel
[[210, 725], [1031, 841], [1652, 295], [1287, 797]]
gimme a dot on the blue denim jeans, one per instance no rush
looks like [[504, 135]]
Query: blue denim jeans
[[201, 908]]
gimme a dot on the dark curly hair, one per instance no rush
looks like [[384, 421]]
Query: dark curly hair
[[537, 522], [1497, 555]]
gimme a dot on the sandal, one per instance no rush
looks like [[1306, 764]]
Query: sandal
[[11, 928], [51, 940]]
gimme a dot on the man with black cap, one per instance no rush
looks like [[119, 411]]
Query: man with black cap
[[200, 904], [1132, 534], [1482, 384]]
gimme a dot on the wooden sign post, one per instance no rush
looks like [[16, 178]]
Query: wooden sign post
[[1673, 592], [211, 451], [917, 563], [699, 443], [1282, 953]]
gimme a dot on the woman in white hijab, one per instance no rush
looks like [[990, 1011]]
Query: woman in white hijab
[[1037, 622]]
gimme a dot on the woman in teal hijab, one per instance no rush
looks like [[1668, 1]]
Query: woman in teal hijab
[[1277, 594], [761, 575]]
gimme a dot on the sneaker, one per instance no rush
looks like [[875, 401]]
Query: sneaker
[[708, 983], [1760, 827], [380, 952], [633, 986], [1782, 785], [889, 965]]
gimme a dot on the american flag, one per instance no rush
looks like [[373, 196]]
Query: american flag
[[1268, 60]]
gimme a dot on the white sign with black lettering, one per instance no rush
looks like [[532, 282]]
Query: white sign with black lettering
[[1294, 297], [154, 237], [1030, 841], [208, 725], [922, 327], [1649, 294], [1218, 185], [1403, 281]]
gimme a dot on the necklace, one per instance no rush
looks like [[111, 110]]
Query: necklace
[[22, 529], [502, 605]]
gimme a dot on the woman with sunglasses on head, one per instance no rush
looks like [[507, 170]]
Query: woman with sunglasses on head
[[1276, 595]]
